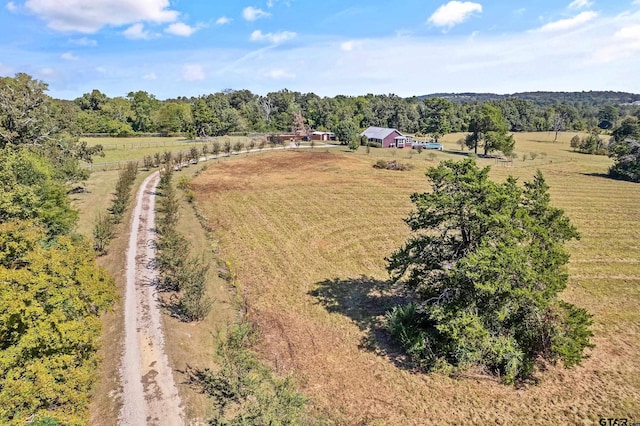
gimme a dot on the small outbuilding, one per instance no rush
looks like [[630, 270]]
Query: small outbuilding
[[323, 136], [388, 138]]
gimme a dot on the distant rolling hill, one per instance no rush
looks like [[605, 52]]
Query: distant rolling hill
[[546, 98]]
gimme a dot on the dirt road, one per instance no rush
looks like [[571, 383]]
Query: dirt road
[[149, 395]]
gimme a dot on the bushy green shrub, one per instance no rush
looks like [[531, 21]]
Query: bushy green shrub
[[485, 266], [245, 391], [626, 154], [380, 164], [123, 190]]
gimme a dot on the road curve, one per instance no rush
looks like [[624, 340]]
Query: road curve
[[149, 394]]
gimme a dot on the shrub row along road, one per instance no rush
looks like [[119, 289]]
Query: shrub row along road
[[149, 395]]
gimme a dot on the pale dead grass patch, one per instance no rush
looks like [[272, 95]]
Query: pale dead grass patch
[[307, 232]]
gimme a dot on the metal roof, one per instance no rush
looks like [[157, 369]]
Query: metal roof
[[378, 132]]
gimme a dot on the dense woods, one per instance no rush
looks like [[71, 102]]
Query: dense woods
[[233, 111]]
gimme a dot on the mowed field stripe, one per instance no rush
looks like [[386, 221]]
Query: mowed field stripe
[[307, 234]]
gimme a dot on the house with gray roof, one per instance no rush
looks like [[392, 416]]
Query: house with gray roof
[[388, 138]]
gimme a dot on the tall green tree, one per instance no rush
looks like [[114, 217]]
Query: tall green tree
[[435, 117], [608, 116], [31, 190], [24, 112], [51, 299], [485, 265], [346, 131], [143, 106], [93, 101], [626, 154], [629, 128], [488, 127]]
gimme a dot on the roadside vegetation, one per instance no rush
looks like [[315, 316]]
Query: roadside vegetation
[[52, 293], [180, 273]]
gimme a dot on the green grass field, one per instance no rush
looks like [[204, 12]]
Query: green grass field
[[135, 149], [307, 233]]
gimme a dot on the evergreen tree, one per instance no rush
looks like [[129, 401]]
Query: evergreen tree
[[486, 264]]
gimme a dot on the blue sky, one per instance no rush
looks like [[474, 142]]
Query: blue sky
[[407, 47]]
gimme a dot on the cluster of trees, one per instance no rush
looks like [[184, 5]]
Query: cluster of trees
[[232, 111], [624, 148], [52, 293], [485, 266]]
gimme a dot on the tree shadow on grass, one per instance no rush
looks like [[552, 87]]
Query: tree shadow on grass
[[365, 301], [600, 175]]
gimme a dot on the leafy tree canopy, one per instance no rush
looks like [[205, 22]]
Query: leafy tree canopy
[[626, 154], [29, 190], [30, 119], [488, 126], [486, 264], [50, 301], [435, 117]]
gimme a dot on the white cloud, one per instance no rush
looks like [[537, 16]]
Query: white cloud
[[150, 76], [90, 16], [569, 23], [11, 7], [280, 74], [602, 55], [580, 4], [631, 33], [625, 43], [193, 72], [69, 56], [137, 32], [223, 20], [453, 13], [274, 38], [251, 13], [84, 41], [180, 29], [348, 46]]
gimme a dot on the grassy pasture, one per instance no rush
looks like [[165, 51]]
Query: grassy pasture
[[306, 233], [135, 149]]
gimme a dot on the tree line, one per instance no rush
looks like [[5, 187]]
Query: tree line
[[232, 111], [52, 293]]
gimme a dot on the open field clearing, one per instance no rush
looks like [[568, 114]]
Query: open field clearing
[[307, 233], [135, 149]]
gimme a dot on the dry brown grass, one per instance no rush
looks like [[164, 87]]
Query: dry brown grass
[[307, 234]]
